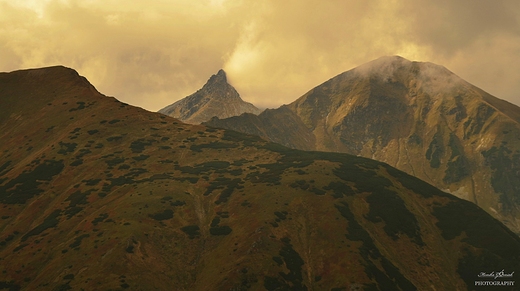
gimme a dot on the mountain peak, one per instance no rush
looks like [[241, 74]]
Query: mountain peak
[[216, 98], [221, 73], [39, 84], [433, 77], [394, 58], [50, 73], [391, 64], [218, 78], [383, 65]]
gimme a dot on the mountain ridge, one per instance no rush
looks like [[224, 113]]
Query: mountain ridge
[[96, 194]]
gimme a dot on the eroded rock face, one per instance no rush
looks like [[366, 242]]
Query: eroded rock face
[[418, 117], [216, 98]]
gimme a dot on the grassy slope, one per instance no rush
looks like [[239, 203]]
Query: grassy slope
[[99, 195]]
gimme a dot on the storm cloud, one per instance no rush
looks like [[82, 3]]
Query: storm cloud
[[152, 53]]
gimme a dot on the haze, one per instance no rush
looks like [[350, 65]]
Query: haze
[[152, 53]]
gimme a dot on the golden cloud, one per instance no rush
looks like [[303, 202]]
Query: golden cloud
[[153, 53]]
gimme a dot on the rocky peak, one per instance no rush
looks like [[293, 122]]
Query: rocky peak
[[221, 74], [218, 79], [216, 98], [217, 87]]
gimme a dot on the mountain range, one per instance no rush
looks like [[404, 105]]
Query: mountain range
[[217, 98], [418, 117], [96, 194]]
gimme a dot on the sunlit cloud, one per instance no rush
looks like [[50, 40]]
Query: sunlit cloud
[[152, 53]]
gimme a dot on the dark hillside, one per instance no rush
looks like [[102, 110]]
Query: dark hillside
[[99, 195]]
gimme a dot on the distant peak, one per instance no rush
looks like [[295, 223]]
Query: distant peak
[[389, 65], [221, 73], [390, 61], [220, 77], [392, 58]]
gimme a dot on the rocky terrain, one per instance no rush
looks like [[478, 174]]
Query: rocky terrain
[[217, 98], [418, 117], [99, 195]]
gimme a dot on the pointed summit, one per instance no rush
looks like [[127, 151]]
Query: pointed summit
[[216, 98], [219, 78], [221, 74]]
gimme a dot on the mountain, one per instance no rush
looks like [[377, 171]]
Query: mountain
[[99, 195], [418, 117], [216, 98]]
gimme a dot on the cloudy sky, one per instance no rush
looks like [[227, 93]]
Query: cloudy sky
[[152, 53]]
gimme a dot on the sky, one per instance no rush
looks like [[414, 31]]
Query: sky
[[155, 52]]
